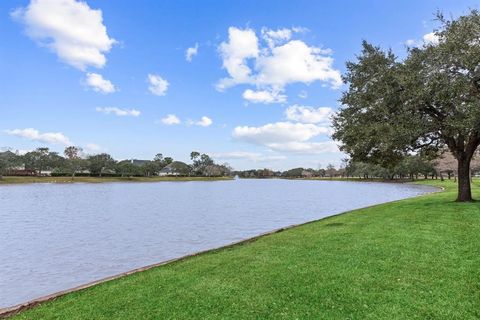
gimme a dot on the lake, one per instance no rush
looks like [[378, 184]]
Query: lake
[[57, 236]]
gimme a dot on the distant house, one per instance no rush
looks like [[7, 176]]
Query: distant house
[[21, 172], [46, 173], [307, 174], [138, 163], [176, 168], [7, 154], [108, 171], [168, 171]]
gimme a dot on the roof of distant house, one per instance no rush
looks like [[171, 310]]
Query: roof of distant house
[[138, 162]]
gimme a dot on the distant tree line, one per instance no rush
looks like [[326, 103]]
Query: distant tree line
[[329, 171], [74, 162], [411, 167]]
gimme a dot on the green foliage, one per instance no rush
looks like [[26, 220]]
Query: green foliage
[[410, 166], [154, 167], [74, 164], [98, 163], [8, 160], [181, 168], [150, 168], [42, 159], [259, 173], [216, 170], [370, 122], [74, 161], [127, 169], [425, 102], [293, 173], [200, 163]]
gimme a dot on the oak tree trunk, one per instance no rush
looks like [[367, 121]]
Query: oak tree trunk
[[464, 188]]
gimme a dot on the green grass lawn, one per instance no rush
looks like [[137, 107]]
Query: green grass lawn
[[17, 180], [411, 259]]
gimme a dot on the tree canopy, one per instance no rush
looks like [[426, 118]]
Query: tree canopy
[[424, 104]]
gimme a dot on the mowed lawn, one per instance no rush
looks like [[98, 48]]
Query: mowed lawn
[[411, 259]]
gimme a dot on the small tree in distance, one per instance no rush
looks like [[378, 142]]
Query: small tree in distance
[[330, 171], [74, 160]]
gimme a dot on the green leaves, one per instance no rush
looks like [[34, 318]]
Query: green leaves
[[429, 100]]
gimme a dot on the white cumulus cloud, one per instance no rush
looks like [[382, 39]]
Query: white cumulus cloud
[[244, 155], [99, 84], [241, 45], [285, 136], [295, 61], [157, 85], [305, 147], [275, 37], [279, 132], [69, 28], [308, 114], [264, 96], [429, 38], [92, 148], [191, 52], [413, 43], [281, 62], [119, 112], [170, 119], [303, 94], [203, 122], [35, 135]]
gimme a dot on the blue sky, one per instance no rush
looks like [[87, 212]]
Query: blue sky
[[78, 73]]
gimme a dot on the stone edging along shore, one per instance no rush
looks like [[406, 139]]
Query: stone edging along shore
[[10, 311]]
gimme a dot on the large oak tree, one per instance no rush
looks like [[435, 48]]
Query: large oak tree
[[426, 102]]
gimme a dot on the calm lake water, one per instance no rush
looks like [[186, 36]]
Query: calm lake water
[[54, 237]]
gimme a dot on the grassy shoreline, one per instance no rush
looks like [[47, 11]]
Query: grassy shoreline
[[24, 180], [414, 258], [355, 179]]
